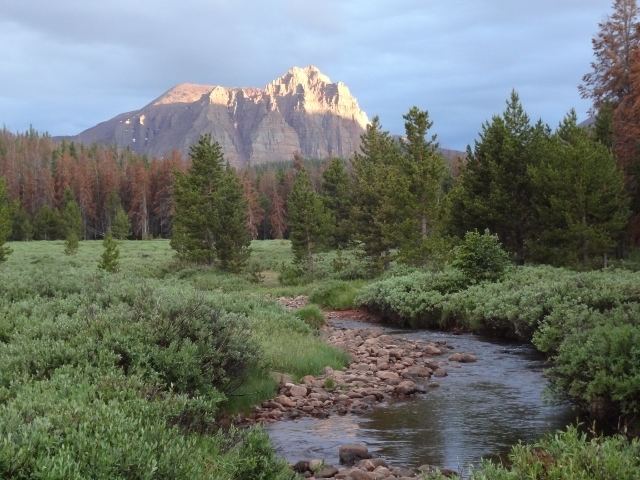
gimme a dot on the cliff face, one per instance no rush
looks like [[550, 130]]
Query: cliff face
[[302, 111]]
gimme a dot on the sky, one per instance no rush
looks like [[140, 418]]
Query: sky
[[66, 65]]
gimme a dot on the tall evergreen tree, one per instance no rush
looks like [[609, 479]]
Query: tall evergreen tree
[[579, 198], [494, 190], [425, 170], [5, 221], [233, 238], [336, 196], [72, 223], [208, 205], [376, 179], [308, 220]]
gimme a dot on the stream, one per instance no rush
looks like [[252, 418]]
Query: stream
[[478, 411]]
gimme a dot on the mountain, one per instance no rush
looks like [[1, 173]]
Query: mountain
[[301, 111]]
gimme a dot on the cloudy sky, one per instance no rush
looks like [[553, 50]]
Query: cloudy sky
[[69, 64]]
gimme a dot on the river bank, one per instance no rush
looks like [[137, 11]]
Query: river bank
[[384, 368], [469, 411]]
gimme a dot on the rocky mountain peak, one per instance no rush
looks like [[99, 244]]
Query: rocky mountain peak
[[300, 111]]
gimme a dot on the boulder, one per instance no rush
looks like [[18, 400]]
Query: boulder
[[327, 471], [285, 401], [406, 387], [298, 391], [463, 358], [352, 453]]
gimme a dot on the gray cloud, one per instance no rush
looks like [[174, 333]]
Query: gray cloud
[[67, 65]]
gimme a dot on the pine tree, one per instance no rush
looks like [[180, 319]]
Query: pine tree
[[613, 47], [425, 171], [375, 184], [72, 223], [5, 221], [308, 220], [336, 196], [494, 190], [110, 254], [233, 239], [579, 198], [209, 203], [120, 226], [22, 226]]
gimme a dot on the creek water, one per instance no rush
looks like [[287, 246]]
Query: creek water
[[479, 410]]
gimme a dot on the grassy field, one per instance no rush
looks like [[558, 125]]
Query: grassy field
[[149, 356]]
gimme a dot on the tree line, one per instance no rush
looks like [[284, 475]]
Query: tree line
[[567, 195]]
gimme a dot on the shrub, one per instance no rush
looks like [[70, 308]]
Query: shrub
[[568, 455], [336, 295], [481, 256], [415, 299], [311, 315]]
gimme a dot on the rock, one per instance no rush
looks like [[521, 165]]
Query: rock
[[463, 358], [432, 350], [352, 453], [440, 372], [327, 471], [301, 467], [298, 391], [308, 379], [359, 475], [406, 387], [285, 401], [315, 464], [388, 376], [419, 371], [381, 472]]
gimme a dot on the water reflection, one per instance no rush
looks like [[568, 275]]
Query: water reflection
[[479, 410]]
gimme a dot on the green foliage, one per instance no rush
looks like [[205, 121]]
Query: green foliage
[[568, 455], [109, 259], [210, 218], [48, 224], [480, 257], [120, 226], [309, 221], [579, 199], [22, 227], [595, 355], [494, 190], [5, 221], [415, 299], [336, 295], [72, 223], [71, 243], [376, 180], [336, 196], [311, 315], [425, 170]]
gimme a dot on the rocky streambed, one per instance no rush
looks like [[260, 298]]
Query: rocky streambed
[[415, 401]]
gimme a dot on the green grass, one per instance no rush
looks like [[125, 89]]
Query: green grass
[[311, 315], [288, 344], [336, 294]]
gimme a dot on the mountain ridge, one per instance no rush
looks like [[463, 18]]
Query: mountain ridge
[[300, 111]]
